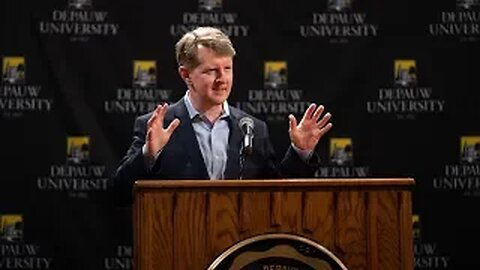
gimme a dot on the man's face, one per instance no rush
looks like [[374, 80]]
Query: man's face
[[211, 81]]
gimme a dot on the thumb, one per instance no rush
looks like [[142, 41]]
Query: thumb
[[148, 137]]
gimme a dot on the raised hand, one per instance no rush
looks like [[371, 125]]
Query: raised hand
[[311, 128], [157, 136]]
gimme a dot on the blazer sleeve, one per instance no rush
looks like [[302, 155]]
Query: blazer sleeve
[[132, 166], [291, 165]]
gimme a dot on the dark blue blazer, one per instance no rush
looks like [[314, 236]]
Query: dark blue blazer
[[182, 159]]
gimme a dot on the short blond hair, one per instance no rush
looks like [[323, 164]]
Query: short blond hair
[[210, 37]]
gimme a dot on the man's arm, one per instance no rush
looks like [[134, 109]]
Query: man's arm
[[149, 138], [132, 166], [292, 165], [311, 128], [300, 159]]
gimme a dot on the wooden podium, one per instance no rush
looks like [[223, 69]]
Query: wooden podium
[[186, 224]]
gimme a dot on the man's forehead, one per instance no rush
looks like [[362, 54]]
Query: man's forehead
[[209, 55]]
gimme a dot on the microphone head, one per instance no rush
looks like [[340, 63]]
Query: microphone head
[[246, 124]]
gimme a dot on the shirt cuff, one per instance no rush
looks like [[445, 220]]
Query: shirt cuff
[[305, 155], [150, 161]]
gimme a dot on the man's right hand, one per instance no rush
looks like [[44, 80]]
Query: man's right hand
[[157, 137]]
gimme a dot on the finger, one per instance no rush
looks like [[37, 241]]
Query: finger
[[324, 120], [325, 129], [292, 122], [317, 113], [161, 114], [151, 120], [173, 125], [309, 112]]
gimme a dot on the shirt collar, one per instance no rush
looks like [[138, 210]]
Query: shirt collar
[[192, 112]]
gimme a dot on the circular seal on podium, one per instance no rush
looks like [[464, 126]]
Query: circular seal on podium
[[277, 252]]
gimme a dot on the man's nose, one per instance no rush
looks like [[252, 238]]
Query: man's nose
[[221, 76]]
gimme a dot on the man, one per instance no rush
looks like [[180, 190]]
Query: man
[[199, 136]]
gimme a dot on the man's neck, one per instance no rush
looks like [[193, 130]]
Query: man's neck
[[213, 113]]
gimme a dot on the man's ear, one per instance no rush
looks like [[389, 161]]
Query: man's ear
[[184, 74]]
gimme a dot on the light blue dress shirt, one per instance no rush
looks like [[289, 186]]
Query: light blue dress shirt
[[212, 138]]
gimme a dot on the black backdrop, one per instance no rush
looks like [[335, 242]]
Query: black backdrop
[[399, 77]]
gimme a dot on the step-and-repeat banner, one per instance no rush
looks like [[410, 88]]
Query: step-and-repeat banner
[[400, 78]]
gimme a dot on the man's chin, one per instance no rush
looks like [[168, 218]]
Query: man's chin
[[220, 101], [220, 98]]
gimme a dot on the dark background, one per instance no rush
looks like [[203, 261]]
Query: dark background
[[84, 230]]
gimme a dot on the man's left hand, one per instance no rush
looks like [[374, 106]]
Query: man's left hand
[[311, 128]]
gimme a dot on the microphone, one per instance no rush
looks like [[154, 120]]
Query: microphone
[[246, 125]]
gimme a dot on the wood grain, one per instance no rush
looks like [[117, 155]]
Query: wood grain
[[187, 224]]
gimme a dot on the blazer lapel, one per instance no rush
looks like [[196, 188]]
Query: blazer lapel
[[189, 141], [232, 170]]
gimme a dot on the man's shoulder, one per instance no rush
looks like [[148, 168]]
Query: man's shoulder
[[144, 117]]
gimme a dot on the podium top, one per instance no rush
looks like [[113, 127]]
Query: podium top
[[279, 183]]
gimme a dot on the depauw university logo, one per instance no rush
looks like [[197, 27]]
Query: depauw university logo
[[13, 70], [144, 73], [467, 4], [416, 230], [11, 227], [470, 149], [339, 5], [78, 150], [210, 5], [275, 74], [405, 73], [80, 4], [341, 151]]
